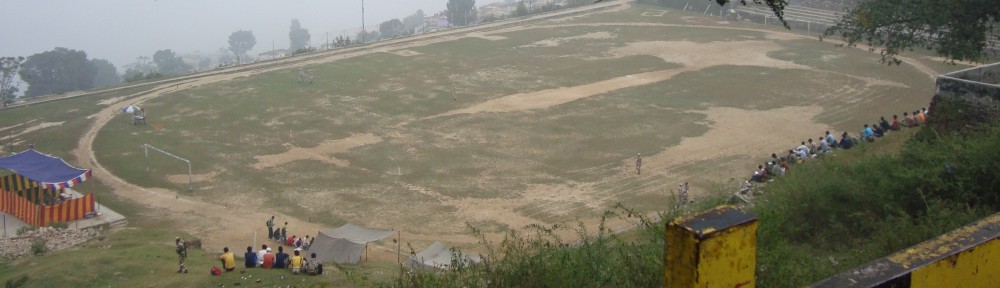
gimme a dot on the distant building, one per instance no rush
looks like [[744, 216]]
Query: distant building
[[274, 54]]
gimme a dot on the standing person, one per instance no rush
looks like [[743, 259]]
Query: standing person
[[250, 258], [228, 260], [181, 254], [270, 228], [284, 231], [638, 164]]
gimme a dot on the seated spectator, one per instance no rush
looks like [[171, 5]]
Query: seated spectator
[[846, 142], [830, 139], [250, 258], [908, 120], [895, 123], [298, 242], [268, 260], [784, 166], [313, 267], [228, 260], [924, 111], [290, 241], [868, 134], [824, 148], [757, 175], [771, 168], [811, 146], [296, 263], [281, 259], [878, 131], [260, 255], [921, 116], [804, 149], [884, 124]]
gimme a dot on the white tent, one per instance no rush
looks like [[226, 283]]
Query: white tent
[[345, 244], [439, 255]]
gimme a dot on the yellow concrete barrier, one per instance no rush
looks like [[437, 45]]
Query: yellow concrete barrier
[[967, 257], [717, 248]]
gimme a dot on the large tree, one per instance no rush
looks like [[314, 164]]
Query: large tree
[[240, 42], [298, 37], [461, 12], [106, 74], [168, 63], [412, 22], [955, 29], [57, 71], [9, 66], [391, 28]]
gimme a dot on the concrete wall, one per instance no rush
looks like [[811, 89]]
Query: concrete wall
[[966, 98]]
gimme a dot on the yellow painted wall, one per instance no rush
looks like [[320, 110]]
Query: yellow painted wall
[[975, 267], [729, 258]]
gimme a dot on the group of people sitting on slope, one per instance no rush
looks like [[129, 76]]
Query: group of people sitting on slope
[[810, 149], [297, 263]]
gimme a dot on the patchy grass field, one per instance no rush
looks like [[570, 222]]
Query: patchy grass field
[[521, 125], [536, 123]]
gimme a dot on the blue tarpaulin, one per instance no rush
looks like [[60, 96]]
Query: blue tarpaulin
[[50, 172]]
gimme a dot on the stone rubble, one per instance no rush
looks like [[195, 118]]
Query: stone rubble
[[55, 239]]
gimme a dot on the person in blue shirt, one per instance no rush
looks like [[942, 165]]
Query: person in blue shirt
[[868, 134], [281, 259], [250, 258], [830, 139]]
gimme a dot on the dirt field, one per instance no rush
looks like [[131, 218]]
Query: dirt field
[[502, 128]]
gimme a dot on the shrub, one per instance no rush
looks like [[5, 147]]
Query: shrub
[[38, 246]]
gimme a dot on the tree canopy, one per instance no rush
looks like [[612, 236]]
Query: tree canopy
[[9, 66], [955, 29], [391, 28], [298, 37], [57, 71], [412, 22], [168, 63], [106, 74], [461, 12], [240, 42]]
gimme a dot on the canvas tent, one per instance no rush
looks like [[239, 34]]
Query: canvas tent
[[345, 244], [439, 256]]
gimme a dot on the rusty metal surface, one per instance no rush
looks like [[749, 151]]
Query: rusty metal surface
[[717, 219], [888, 270]]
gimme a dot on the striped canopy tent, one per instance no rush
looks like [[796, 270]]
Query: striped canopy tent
[[39, 170]]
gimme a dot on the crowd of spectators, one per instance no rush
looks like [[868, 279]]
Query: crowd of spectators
[[779, 165]]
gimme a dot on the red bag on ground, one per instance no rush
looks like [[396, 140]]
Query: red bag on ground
[[216, 271]]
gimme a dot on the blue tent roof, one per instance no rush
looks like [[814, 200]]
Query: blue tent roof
[[50, 172]]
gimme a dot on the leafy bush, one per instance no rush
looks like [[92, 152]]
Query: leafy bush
[[38, 246], [25, 229], [831, 215]]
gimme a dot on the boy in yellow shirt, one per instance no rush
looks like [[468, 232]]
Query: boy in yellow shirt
[[228, 260], [296, 263]]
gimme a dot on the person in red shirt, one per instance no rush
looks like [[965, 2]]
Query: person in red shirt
[[895, 123], [268, 259], [290, 241]]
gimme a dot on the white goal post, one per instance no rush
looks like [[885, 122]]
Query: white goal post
[[146, 147]]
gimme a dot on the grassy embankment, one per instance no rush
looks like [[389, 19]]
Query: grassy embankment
[[824, 217]]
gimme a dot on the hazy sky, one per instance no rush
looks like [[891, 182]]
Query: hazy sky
[[122, 30]]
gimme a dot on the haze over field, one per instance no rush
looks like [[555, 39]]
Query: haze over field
[[121, 30]]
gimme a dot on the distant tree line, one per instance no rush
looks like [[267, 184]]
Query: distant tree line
[[54, 72]]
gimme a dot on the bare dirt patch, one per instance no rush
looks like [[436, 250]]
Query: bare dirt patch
[[555, 42], [183, 178], [319, 153], [37, 127], [406, 53], [737, 132]]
